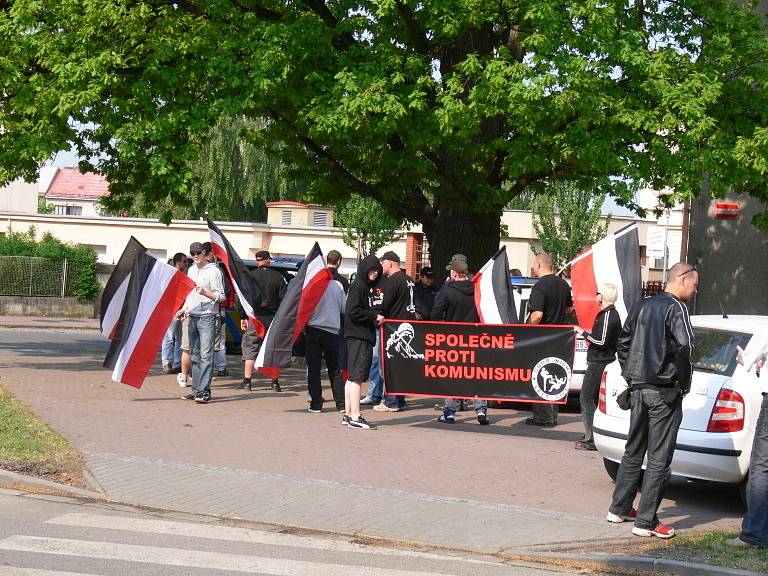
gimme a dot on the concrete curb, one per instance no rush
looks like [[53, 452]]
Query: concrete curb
[[644, 563], [32, 481], [648, 564]]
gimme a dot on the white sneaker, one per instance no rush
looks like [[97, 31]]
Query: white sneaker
[[367, 401], [182, 380]]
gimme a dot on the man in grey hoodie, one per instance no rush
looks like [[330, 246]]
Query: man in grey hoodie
[[322, 340]]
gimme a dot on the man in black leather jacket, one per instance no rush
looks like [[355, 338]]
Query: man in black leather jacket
[[654, 350]]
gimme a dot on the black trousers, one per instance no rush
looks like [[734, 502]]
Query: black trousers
[[319, 344]]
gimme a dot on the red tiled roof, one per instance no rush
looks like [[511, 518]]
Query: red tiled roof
[[71, 183], [279, 203]]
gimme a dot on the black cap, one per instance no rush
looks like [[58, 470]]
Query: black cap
[[391, 256], [195, 247], [426, 271], [263, 255]]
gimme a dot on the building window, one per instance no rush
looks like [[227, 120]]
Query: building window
[[62, 210], [320, 219], [287, 217]]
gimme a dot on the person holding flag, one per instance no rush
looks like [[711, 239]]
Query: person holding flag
[[272, 290], [202, 308]]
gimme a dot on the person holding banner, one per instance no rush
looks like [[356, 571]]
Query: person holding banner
[[550, 301], [602, 351], [456, 303], [272, 288], [654, 350], [360, 331], [397, 304]]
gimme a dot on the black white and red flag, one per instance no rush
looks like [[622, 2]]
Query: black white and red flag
[[113, 296], [493, 291], [616, 260], [301, 298], [154, 294], [246, 288]]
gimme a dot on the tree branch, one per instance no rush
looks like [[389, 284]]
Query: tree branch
[[417, 34], [258, 10]]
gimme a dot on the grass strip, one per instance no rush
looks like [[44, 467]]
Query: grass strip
[[710, 548], [29, 446]]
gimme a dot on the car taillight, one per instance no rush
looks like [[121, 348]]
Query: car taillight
[[728, 412], [601, 397]]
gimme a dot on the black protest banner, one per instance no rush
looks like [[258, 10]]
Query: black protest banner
[[526, 363]]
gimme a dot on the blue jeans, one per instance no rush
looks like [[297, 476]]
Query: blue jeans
[[170, 353], [754, 528], [653, 426], [375, 381], [220, 349], [202, 338], [451, 404]]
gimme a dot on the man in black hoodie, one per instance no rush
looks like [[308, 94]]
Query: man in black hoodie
[[397, 304], [456, 303], [360, 323]]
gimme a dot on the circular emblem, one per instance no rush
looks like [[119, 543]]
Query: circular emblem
[[550, 378]]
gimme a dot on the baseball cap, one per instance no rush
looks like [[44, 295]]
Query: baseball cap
[[263, 255], [458, 263], [196, 247], [391, 256], [426, 271]]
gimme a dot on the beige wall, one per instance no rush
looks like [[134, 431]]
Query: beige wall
[[300, 215], [19, 196], [108, 236]]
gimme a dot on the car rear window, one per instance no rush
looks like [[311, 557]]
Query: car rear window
[[714, 351]]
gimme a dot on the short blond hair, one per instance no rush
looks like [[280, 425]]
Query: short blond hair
[[609, 292]]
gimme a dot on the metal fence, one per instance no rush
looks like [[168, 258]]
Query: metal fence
[[34, 276]]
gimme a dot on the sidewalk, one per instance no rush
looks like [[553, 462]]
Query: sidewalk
[[38, 322], [258, 456]]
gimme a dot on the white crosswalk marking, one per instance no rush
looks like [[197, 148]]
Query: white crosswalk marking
[[192, 558], [11, 571], [235, 534]]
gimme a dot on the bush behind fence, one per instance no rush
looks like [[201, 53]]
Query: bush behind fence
[[35, 276]]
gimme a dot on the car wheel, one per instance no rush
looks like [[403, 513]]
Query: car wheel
[[611, 467], [743, 490]]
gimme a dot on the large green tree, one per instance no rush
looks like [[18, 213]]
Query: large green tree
[[443, 110]]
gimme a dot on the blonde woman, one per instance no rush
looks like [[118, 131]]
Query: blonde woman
[[602, 351]]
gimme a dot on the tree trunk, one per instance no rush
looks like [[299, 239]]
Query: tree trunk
[[474, 234]]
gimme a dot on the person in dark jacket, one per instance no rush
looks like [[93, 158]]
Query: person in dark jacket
[[333, 258], [456, 303], [397, 304], [424, 293], [360, 331], [272, 287], [654, 350], [602, 351]]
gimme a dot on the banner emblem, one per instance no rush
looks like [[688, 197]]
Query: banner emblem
[[400, 342], [551, 377]]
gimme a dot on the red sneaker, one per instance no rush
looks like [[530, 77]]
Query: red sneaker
[[661, 531], [628, 517]]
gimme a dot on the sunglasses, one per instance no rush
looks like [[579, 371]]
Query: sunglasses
[[691, 269], [195, 253]]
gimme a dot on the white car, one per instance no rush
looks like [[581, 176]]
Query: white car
[[719, 414]]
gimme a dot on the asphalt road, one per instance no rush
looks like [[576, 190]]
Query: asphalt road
[[59, 375], [52, 536]]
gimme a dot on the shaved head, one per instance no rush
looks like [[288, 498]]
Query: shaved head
[[543, 261]]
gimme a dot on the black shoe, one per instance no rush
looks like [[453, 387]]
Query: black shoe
[[482, 417], [190, 396], [176, 370], [535, 422], [245, 386], [580, 445], [276, 386], [221, 373], [447, 419], [203, 398]]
